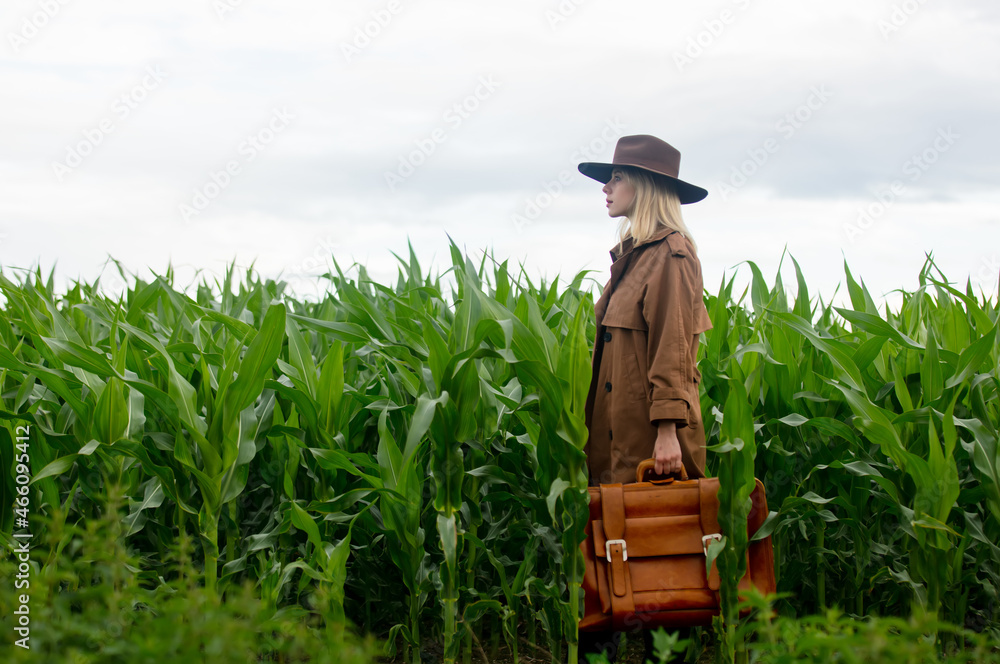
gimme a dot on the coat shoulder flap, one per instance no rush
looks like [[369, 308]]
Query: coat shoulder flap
[[679, 245]]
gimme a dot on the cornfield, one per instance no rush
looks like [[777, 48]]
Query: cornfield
[[409, 463]]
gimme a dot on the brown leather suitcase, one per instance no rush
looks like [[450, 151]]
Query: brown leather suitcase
[[645, 553]]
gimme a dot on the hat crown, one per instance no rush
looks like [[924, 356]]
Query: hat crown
[[648, 152]]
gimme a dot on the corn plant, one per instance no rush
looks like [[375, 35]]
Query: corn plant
[[736, 482], [407, 457]]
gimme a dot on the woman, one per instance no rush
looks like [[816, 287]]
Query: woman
[[643, 401]]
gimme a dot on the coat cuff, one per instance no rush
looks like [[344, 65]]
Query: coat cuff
[[669, 409]]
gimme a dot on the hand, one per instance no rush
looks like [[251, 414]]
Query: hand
[[667, 451]]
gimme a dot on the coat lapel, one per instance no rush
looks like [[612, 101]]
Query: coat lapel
[[620, 263]]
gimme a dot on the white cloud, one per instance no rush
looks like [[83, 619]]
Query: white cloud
[[559, 83]]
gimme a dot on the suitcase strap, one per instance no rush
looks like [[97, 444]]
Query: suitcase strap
[[708, 494], [616, 550]]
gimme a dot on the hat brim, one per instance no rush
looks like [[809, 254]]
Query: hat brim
[[686, 192]]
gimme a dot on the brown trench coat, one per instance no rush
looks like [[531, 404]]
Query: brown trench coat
[[649, 318]]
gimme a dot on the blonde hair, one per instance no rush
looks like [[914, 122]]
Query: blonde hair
[[654, 207]]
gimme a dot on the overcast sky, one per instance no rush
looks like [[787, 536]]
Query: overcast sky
[[281, 133]]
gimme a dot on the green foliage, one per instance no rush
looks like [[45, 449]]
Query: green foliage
[[736, 455], [88, 604], [835, 637], [410, 460], [877, 443], [667, 646]]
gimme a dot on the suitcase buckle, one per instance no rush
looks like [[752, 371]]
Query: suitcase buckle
[[607, 549], [706, 538]]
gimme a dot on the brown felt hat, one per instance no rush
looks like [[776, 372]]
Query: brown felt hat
[[648, 153]]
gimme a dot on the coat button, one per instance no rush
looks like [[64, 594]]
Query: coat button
[[607, 387], [607, 337]]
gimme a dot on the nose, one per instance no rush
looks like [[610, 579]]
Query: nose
[[606, 188]]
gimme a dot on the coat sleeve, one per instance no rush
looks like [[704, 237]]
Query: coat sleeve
[[669, 308]]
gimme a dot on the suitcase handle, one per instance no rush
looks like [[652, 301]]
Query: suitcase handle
[[649, 465]]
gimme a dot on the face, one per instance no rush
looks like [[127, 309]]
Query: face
[[620, 195]]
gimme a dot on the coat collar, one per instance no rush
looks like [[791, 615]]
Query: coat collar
[[629, 243]]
